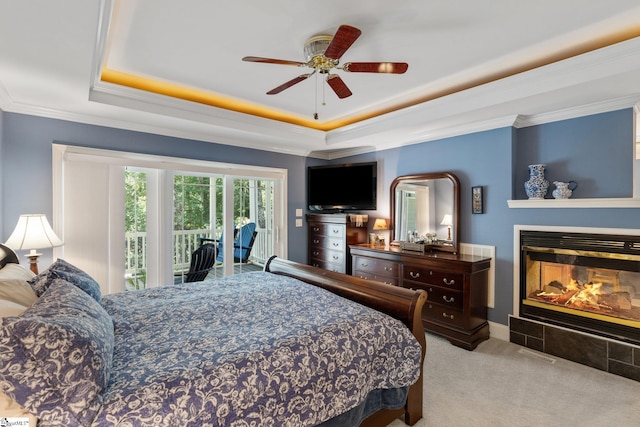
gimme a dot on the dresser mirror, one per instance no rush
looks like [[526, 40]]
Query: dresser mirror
[[425, 212]]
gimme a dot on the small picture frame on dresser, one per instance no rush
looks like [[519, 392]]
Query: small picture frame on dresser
[[477, 204]]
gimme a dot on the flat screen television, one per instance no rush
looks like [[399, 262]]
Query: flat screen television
[[344, 187]]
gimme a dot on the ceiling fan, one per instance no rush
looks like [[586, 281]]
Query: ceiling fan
[[322, 53]]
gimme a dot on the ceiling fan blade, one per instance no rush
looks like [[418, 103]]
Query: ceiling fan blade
[[344, 38], [338, 86], [376, 67], [288, 84], [273, 61]]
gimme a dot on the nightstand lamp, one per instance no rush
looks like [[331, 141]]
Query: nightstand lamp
[[33, 232], [380, 224], [448, 221]]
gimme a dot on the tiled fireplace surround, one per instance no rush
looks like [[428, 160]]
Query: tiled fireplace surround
[[610, 355]]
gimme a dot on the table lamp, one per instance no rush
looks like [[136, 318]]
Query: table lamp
[[448, 221], [379, 225], [33, 232]]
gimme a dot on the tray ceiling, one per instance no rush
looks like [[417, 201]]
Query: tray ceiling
[[175, 68]]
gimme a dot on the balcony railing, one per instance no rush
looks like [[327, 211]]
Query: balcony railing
[[184, 243]]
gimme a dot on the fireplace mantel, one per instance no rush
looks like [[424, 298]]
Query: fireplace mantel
[[627, 202]]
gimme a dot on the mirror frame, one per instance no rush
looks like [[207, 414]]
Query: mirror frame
[[455, 232]]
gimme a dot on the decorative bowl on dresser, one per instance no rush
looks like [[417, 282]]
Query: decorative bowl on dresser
[[456, 286]]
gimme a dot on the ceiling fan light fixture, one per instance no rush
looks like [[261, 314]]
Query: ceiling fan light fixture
[[316, 46]]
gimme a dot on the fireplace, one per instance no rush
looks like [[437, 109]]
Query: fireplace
[[586, 282], [577, 295]]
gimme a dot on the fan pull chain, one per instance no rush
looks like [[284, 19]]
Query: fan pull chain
[[315, 115], [323, 93]]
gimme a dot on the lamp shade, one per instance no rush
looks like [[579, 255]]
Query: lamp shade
[[380, 224], [447, 220], [33, 232]]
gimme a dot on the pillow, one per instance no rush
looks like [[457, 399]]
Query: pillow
[[70, 273], [55, 359], [10, 308], [7, 255], [14, 286]]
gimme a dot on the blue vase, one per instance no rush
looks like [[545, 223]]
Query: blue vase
[[536, 187]]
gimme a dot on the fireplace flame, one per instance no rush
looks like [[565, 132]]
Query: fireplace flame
[[588, 295]]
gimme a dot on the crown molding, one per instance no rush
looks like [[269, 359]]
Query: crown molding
[[584, 110], [5, 98]]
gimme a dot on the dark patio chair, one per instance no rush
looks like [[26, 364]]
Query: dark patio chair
[[202, 261]]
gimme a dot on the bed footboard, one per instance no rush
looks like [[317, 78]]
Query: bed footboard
[[400, 303]]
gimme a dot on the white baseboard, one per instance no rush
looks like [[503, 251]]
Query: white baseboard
[[499, 331]]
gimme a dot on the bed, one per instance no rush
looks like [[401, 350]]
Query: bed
[[291, 345]]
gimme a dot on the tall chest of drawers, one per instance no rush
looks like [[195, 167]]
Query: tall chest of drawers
[[329, 238], [456, 287]]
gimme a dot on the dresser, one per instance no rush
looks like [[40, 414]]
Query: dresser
[[329, 238], [456, 286]]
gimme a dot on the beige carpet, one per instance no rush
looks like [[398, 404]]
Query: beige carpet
[[500, 385]]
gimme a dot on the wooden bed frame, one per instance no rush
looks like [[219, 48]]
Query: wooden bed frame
[[400, 303]]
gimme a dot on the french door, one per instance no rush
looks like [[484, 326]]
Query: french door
[[144, 214]]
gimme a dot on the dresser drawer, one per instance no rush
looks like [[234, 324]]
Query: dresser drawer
[[327, 255], [446, 315], [324, 242], [445, 297], [367, 275], [376, 266], [330, 230], [338, 268], [433, 277]]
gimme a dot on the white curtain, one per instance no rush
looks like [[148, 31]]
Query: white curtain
[[93, 220]]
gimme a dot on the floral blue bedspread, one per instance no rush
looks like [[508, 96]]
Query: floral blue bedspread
[[254, 349]]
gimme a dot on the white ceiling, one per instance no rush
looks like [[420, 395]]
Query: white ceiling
[[473, 65]]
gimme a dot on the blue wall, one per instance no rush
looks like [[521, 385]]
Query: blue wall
[[596, 151], [591, 150], [26, 166]]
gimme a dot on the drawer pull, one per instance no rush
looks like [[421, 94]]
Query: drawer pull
[[388, 269], [336, 244], [364, 264], [316, 253], [316, 229], [430, 289], [335, 231], [363, 277], [448, 316], [449, 300], [336, 257], [414, 275], [449, 282], [388, 283], [316, 241]]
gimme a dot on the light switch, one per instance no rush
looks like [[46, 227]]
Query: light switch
[[298, 222], [299, 213]]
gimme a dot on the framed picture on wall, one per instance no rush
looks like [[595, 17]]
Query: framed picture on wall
[[476, 200]]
